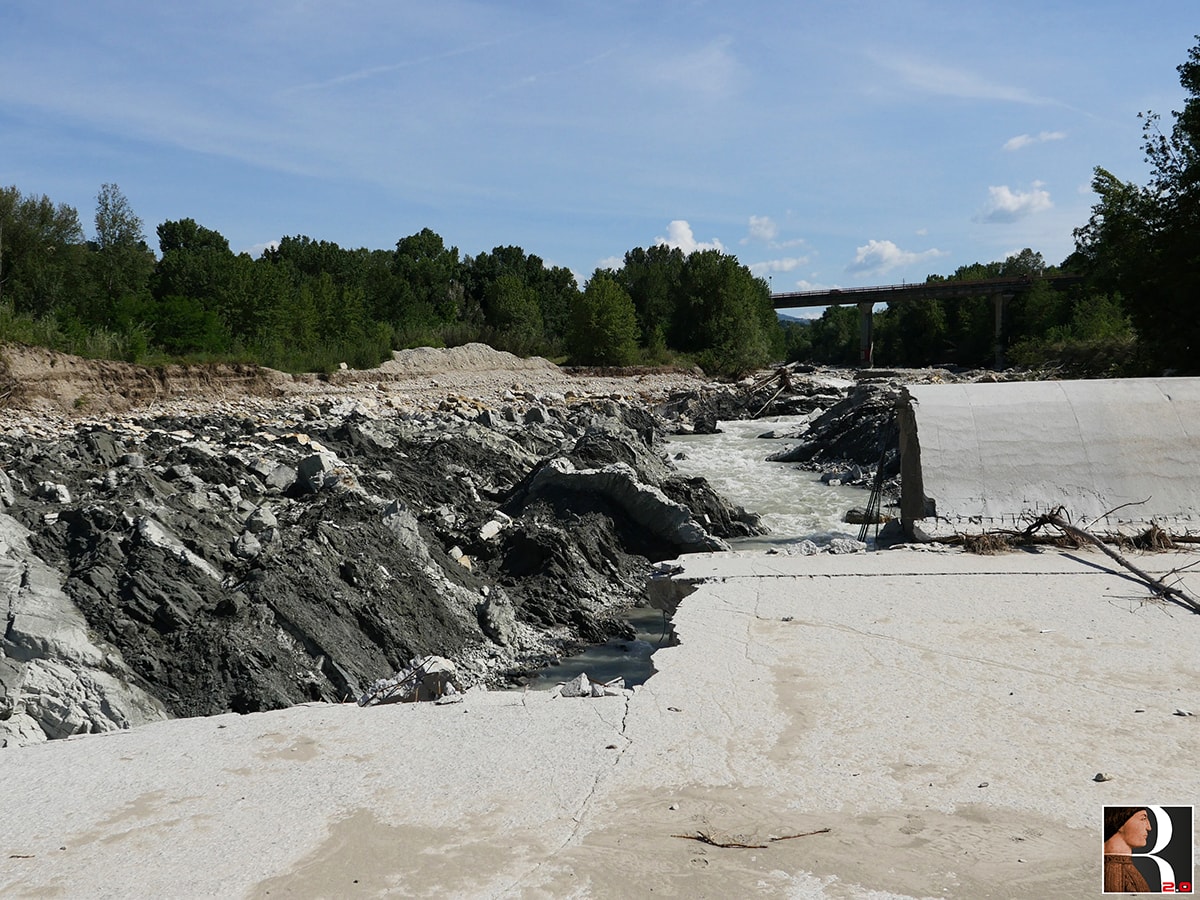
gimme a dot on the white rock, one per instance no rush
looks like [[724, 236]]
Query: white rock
[[490, 529], [52, 491], [247, 546], [804, 548], [846, 545], [576, 687]]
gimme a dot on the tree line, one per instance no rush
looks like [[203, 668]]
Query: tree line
[[308, 305]]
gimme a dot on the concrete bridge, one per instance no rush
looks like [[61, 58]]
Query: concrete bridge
[[1001, 290]]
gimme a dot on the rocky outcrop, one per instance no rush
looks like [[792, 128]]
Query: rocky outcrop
[[191, 565], [857, 429], [646, 506], [56, 678]]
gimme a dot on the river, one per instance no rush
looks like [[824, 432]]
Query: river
[[794, 505]]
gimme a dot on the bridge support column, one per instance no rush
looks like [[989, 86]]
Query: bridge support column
[[866, 334], [1000, 301]]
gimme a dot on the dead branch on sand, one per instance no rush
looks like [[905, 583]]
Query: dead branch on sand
[[708, 837], [1158, 585]]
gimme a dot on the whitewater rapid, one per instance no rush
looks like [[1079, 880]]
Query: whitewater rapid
[[793, 502]]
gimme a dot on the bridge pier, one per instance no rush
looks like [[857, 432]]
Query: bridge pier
[[866, 334], [999, 301]]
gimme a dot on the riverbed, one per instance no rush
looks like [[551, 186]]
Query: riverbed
[[794, 504]]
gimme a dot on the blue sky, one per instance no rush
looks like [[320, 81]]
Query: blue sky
[[825, 144]]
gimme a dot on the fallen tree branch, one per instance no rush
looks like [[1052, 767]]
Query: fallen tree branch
[[769, 402], [788, 837], [1103, 516], [706, 837], [1055, 518]]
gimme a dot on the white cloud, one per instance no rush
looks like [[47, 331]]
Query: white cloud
[[877, 257], [947, 81], [616, 263], [679, 235], [1006, 205], [777, 265], [1025, 140], [257, 250], [763, 228]]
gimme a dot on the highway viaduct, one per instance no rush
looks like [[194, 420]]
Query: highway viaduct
[[1001, 290]]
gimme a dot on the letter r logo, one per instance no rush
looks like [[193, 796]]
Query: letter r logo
[[1163, 831]]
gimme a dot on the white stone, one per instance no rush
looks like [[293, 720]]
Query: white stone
[[576, 687]]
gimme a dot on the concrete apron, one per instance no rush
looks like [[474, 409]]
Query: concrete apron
[[943, 715]]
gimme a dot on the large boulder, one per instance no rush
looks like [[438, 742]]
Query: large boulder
[[647, 506]]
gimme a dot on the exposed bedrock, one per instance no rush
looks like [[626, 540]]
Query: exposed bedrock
[[196, 565]]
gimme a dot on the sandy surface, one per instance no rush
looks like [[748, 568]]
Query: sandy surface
[[943, 715]]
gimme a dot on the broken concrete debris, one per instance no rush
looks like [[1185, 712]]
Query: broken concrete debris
[[426, 679], [583, 686]]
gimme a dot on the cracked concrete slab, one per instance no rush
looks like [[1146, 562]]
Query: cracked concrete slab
[[942, 715]]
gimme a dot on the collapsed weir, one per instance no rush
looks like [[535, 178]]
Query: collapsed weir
[[990, 456]]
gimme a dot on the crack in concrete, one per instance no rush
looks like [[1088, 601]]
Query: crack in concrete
[[584, 806]]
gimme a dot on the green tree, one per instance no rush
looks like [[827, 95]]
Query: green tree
[[121, 261], [834, 336], [604, 326], [916, 333], [514, 315], [41, 253], [430, 278], [797, 337], [1027, 263], [557, 292], [553, 290], [194, 284], [725, 315], [653, 278], [1143, 243]]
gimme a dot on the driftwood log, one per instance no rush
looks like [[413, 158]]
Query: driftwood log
[[1158, 585]]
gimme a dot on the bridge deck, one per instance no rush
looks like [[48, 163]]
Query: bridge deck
[[889, 293]]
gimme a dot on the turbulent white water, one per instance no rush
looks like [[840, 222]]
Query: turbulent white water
[[793, 502]]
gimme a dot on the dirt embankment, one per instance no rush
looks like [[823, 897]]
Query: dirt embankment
[[40, 381]]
